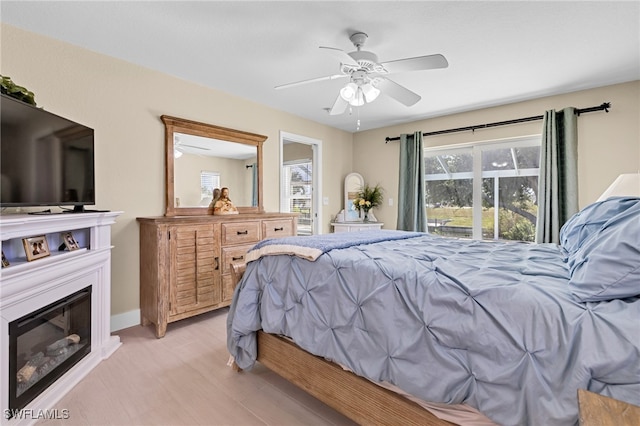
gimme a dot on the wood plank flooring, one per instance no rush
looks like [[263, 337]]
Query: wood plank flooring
[[183, 379]]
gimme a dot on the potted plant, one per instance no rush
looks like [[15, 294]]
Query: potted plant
[[368, 198], [9, 88]]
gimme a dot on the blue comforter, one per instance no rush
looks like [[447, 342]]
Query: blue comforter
[[489, 324]]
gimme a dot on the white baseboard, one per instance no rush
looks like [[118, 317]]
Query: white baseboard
[[125, 320]]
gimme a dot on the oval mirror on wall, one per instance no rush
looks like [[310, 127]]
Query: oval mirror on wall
[[353, 183]]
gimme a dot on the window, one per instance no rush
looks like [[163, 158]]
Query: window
[[484, 191], [208, 181], [298, 193]]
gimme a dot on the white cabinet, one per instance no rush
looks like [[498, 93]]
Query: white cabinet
[[355, 226]]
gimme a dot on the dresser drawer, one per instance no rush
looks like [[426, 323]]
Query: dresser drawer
[[240, 232], [235, 254], [277, 228]]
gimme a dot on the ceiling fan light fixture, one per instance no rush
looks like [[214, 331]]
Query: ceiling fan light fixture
[[370, 92], [358, 99], [348, 92]]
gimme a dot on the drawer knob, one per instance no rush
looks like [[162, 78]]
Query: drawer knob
[[237, 258], [278, 229], [242, 232], [217, 259]]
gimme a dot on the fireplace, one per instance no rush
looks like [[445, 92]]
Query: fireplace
[[50, 291], [45, 344]]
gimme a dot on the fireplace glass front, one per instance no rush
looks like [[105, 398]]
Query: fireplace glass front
[[45, 344]]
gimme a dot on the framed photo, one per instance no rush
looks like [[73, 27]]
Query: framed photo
[[69, 241], [350, 212], [5, 261], [36, 247]]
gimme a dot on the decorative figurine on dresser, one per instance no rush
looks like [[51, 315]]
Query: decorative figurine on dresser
[[222, 204], [186, 255]]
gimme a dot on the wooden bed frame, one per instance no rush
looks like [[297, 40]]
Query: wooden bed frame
[[359, 399], [367, 403]]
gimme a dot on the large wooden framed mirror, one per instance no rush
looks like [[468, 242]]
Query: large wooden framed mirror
[[198, 153]]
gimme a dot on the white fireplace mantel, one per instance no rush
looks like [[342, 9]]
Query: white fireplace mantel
[[29, 286]]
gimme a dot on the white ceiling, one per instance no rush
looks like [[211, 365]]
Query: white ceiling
[[498, 52]]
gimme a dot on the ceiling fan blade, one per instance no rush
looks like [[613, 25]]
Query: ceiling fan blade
[[339, 106], [194, 147], [312, 80], [396, 91], [341, 55], [418, 63]]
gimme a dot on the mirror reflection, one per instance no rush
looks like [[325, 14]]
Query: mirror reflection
[[201, 157], [202, 164], [353, 183]]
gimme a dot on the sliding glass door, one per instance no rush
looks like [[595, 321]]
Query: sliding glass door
[[484, 191]]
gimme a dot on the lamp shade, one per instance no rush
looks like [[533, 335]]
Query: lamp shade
[[358, 94], [348, 92], [358, 99], [627, 184], [370, 92]]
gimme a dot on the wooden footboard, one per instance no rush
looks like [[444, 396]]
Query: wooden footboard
[[359, 399], [599, 410]]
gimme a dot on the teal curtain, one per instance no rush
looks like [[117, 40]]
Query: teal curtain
[[412, 211], [254, 179], [558, 182]]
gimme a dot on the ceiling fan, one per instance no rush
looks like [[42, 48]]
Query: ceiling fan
[[367, 76], [179, 147]]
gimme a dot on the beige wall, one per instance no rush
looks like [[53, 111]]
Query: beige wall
[[608, 143], [123, 103]]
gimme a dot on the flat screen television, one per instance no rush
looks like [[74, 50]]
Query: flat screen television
[[45, 159]]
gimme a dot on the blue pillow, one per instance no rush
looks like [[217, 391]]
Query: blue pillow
[[584, 224], [606, 265]]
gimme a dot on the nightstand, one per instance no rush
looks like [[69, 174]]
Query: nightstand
[[355, 226]]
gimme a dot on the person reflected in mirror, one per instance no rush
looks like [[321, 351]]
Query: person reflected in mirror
[[223, 204], [216, 194], [214, 198]]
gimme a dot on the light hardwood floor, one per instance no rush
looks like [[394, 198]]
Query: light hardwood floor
[[183, 379]]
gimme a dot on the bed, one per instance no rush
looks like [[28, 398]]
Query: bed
[[512, 330]]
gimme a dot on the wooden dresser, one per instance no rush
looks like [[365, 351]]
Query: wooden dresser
[[185, 261]]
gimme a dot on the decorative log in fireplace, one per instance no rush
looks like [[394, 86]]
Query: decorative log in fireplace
[[43, 345]]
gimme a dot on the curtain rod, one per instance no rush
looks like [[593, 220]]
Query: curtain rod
[[602, 107]]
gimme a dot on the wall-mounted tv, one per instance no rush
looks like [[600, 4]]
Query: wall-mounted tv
[[45, 159]]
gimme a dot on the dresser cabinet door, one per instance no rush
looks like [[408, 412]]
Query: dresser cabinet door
[[195, 273]]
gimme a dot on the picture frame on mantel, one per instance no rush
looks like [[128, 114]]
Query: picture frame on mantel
[[69, 241], [36, 247]]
